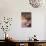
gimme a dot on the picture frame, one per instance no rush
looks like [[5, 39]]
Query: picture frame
[[26, 19]]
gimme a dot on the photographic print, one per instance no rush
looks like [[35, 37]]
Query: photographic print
[[26, 19]]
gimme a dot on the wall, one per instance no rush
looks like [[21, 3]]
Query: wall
[[45, 28], [13, 8]]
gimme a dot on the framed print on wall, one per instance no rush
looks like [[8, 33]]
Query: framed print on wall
[[26, 19]]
